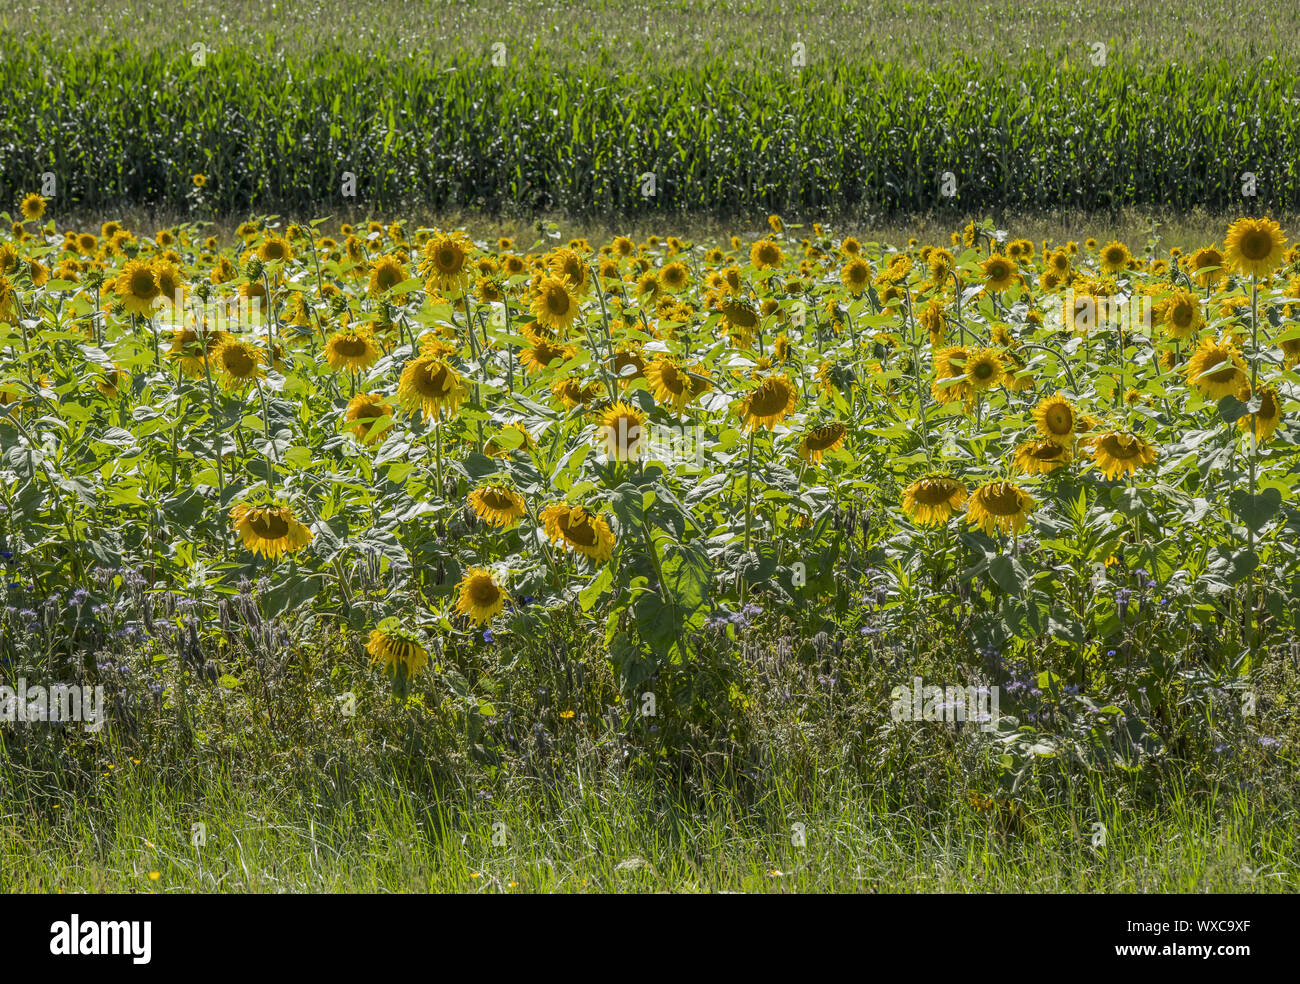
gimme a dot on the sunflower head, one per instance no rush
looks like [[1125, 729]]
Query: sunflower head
[[365, 411], [574, 528], [1216, 368], [819, 440], [479, 596], [554, 305], [353, 349], [238, 363], [430, 385], [1056, 419], [269, 530], [1255, 247], [498, 506], [399, 651], [929, 501], [999, 507], [1041, 457], [1119, 453], [984, 369], [32, 207], [621, 432], [1000, 272], [768, 403]]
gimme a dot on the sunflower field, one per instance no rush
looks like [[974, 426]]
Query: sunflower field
[[1068, 463]]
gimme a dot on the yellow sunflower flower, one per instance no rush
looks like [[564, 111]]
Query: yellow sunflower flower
[[574, 528], [768, 403], [479, 596], [1118, 453], [819, 440], [929, 501], [432, 386], [1000, 506], [269, 530], [1255, 247], [497, 505]]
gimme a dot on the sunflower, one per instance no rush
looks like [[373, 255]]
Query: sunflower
[[1000, 506], [269, 530], [501, 445], [1114, 257], [1255, 246], [238, 362], [199, 180], [856, 276], [1216, 368], [364, 411], [137, 287], [768, 403], [819, 440], [577, 529], [32, 207], [542, 353], [620, 431], [398, 650], [431, 385], [675, 276], [999, 273], [766, 255], [932, 320], [351, 348], [111, 381], [445, 261], [573, 392], [190, 351], [1207, 266], [385, 274], [670, 384], [1266, 418], [566, 265], [932, 499], [497, 505], [1119, 453], [553, 305], [984, 369], [1041, 457], [275, 250], [480, 596], [1180, 313], [950, 384], [1056, 420]]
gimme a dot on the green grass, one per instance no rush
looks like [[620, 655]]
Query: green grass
[[607, 833]]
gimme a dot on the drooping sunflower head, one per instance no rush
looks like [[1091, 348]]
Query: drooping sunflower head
[[1041, 457], [621, 432], [1056, 419], [1216, 368], [1255, 247], [577, 529], [573, 392], [1119, 453], [1266, 418], [365, 411], [238, 362], [111, 381], [497, 505], [1000, 506], [398, 650], [269, 530], [432, 386], [932, 499], [353, 349], [768, 403], [819, 440], [479, 596]]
